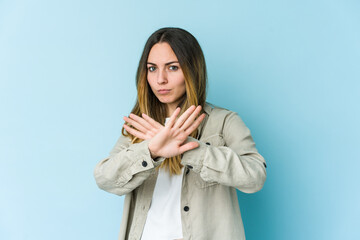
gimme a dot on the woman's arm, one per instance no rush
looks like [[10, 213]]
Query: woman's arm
[[231, 159], [126, 167], [129, 165]]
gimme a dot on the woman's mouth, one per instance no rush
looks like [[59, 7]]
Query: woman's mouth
[[164, 91]]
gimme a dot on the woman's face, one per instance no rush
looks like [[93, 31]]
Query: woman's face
[[165, 76]]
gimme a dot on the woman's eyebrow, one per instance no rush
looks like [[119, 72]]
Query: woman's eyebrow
[[165, 63]]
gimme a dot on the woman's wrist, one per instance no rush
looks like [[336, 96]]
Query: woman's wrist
[[152, 153], [153, 156]]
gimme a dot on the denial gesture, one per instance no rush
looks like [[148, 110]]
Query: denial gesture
[[169, 140]]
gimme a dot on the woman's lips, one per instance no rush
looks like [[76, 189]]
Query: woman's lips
[[164, 91]]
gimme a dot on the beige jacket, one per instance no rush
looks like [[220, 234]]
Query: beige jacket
[[226, 160]]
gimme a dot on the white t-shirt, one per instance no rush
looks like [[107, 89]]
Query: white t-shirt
[[163, 221]]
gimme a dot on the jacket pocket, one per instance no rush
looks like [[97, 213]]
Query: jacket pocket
[[200, 183], [215, 140]]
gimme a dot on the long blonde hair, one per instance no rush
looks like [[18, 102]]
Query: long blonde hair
[[192, 63]]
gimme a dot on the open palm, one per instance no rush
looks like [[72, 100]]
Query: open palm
[[169, 140]]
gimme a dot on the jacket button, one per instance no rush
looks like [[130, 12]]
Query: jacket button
[[264, 165], [207, 143], [144, 163], [187, 170], [189, 166], [186, 208]]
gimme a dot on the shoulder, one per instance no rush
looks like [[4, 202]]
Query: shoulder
[[218, 112], [221, 120], [223, 116], [228, 124]]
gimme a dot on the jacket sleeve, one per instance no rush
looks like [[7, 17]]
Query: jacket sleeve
[[229, 159], [126, 167]]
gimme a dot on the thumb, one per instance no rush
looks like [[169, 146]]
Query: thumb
[[188, 146]]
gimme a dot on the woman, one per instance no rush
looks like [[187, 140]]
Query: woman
[[179, 159]]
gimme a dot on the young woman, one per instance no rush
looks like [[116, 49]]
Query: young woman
[[180, 159]]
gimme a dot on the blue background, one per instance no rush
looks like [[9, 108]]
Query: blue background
[[289, 68]]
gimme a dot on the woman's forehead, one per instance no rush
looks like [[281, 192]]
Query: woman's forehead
[[161, 53]]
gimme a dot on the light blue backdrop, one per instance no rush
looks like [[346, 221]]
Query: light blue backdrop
[[289, 68]]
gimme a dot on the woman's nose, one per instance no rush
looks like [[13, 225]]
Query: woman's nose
[[162, 77]]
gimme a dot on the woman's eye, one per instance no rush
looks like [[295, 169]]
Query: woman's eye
[[151, 69], [174, 68]]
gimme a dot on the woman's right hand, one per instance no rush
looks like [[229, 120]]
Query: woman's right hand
[[170, 140]]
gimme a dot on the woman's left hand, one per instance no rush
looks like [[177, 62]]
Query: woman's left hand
[[145, 127], [170, 140]]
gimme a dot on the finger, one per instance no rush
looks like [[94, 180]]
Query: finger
[[188, 146], [135, 132], [195, 124], [184, 116], [172, 119], [135, 124], [140, 120], [191, 118], [154, 123]]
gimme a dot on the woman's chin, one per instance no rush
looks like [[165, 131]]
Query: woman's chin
[[165, 100]]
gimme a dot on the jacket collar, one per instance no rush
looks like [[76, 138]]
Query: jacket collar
[[208, 108]]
